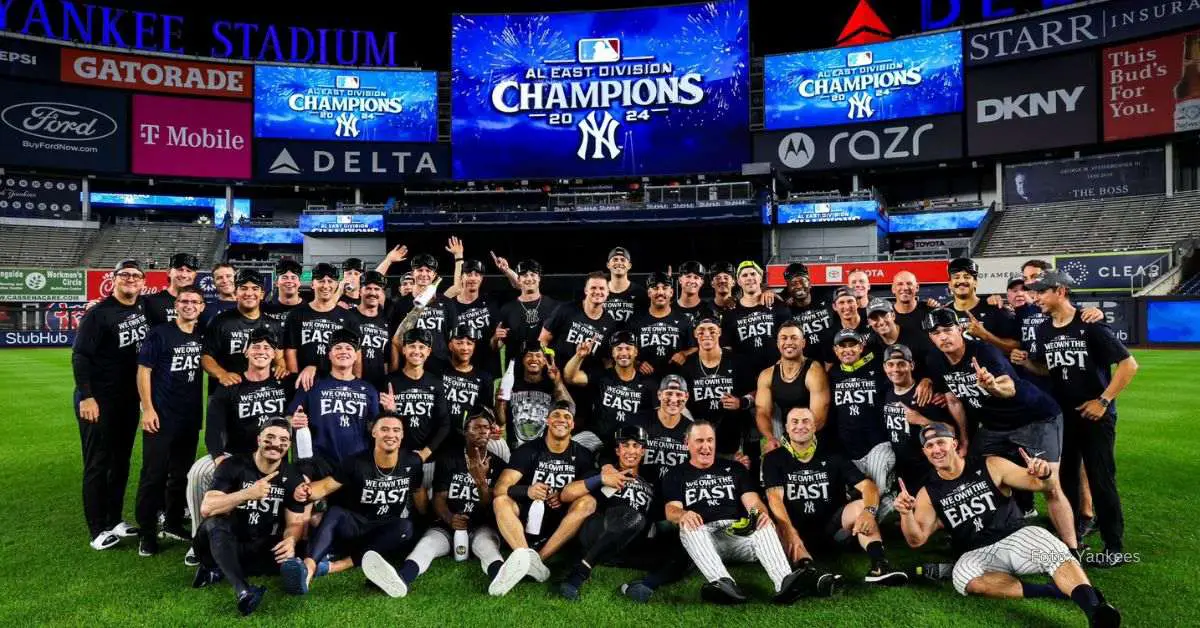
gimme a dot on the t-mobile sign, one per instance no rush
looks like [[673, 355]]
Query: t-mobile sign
[[191, 137]]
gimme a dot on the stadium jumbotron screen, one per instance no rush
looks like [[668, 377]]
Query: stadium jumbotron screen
[[633, 92]]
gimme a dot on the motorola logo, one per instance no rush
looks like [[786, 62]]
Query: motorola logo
[[796, 150]]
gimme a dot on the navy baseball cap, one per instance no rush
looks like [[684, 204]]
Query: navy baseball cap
[[472, 266], [1018, 280], [620, 250], [622, 337], [352, 263], [323, 270], [1049, 279], [630, 432], [673, 382], [344, 335], [374, 277], [936, 430], [262, 334], [249, 275], [529, 266], [842, 291], [288, 266], [462, 330], [719, 268], [879, 306], [415, 335], [425, 260], [847, 334], [128, 263], [658, 278], [691, 268], [963, 264], [185, 260], [941, 317], [898, 352]]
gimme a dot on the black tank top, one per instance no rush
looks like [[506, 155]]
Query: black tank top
[[972, 508], [787, 395]]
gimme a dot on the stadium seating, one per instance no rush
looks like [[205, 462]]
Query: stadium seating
[[152, 243], [1190, 287], [53, 247], [1142, 222]]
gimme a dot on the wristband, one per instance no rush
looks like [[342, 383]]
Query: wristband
[[520, 491], [1048, 475], [747, 401], [594, 483], [458, 259]]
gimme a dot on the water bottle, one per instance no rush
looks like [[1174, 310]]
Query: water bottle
[[461, 537], [506, 382], [536, 510], [304, 443]]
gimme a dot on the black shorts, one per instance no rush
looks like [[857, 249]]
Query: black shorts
[[1040, 439], [819, 532]]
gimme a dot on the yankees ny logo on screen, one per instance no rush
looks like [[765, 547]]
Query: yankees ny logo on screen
[[347, 125], [860, 107], [602, 137]]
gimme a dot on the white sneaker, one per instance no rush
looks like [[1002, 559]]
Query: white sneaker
[[124, 530], [511, 572], [190, 559], [382, 574], [537, 568], [105, 540]]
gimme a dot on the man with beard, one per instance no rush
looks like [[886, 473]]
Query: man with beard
[[881, 317], [104, 362], [720, 384], [371, 497], [224, 278], [370, 321], [751, 324], [971, 499], [308, 328], [663, 334], [467, 390], [287, 290], [722, 282], [224, 356], [796, 381], [417, 394], [437, 315], [845, 304], [813, 318], [910, 310], [521, 320], [981, 320], [342, 407], [170, 386], [474, 310], [352, 272], [537, 385], [160, 306], [903, 417], [857, 384], [547, 465], [691, 281], [621, 394], [571, 326], [807, 488], [665, 435], [252, 521], [624, 297], [236, 413], [462, 502]]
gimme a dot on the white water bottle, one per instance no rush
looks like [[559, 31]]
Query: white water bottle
[[427, 295], [461, 538], [304, 443], [536, 510], [506, 382]]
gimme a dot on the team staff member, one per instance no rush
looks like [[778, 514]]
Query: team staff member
[[1077, 356], [625, 298], [224, 278], [972, 500], [226, 334], [171, 389], [160, 306], [307, 330], [910, 310], [287, 290], [104, 362]]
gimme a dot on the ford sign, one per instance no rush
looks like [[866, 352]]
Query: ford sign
[[59, 121]]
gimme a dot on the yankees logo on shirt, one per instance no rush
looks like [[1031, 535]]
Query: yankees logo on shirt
[[378, 493], [666, 447], [637, 494], [131, 331]]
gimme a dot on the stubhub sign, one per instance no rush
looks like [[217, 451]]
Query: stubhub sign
[[349, 162]]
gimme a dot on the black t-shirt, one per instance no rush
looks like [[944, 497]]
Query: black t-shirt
[[307, 331], [212, 309], [569, 327], [813, 318], [666, 447], [714, 493], [618, 401], [236, 414], [160, 308], [451, 476], [438, 318], [823, 350], [693, 312], [1079, 357], [537, 464], [1029, 318], [905, 437], [910, 323], [378, 494], [972, 508], [998, 320], [660, 338], [919, 343], [706, 388], [466, 394], [105, 354], [481, 316], [638, 494], [528, 409], [339, 415], [423, 403], [623, 305], [524, 322], [226, 337], [857, 398], [1029, 405], [376, 348], [258, 522], [812, 491], [176, 388], [277, 311], [750, 332]]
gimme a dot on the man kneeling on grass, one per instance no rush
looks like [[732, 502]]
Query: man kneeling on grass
[[972, 499], [251, 495]]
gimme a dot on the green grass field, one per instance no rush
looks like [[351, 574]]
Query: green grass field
[[50, 576]]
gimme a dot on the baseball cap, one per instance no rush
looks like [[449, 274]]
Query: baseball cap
[[619, 250], [673, 382], [531, 346], [472, 266], [374, 277], [795, 269], [936, 430], [249, 275], [528, 266], [749, 264], [846, 334], [352, 263], [344, 335], [879, 306], [262, 334], [406, 277], [963, 264], [563, 404], [185, 260], [1017, 279], [708, 314], [485, 413], [1049, 279], [425, 260], [718, 268], [842, 291], [415, 335], [462, 330], [898, 352], [288, 266], [128, 263], [941, 317], [657, 278], [691, 268], [631, 432], [323, 270], [622, 337]]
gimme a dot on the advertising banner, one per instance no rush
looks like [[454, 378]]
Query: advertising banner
[[1114, 175], [994, 272], [1120, 313], [345, 104], [191, 137], [350, 162], [1034, 105], [1114, 271], [29, 196], [241, 206], [205, 283], [26, 58], [63, 127], [965, 220], [646, 91], [245, 234], [31, 339], [341, 223], [927, 271], [913, 77], [42, 284], [875, 144], [156, 74], [100, 283], [838, 211], [1152, 87], [1059, 31]]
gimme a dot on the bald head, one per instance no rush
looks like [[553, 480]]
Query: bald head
[[904, 287]]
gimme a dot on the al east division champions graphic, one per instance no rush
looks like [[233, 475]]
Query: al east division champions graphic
[[629, 92], [906, 78], [345, 104]]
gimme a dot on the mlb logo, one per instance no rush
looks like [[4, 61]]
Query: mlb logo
[[344, 219], [348, 82], [598, 50], [858, 59], [833, 274]]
